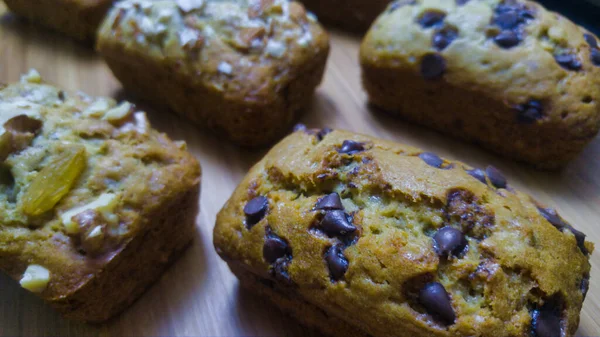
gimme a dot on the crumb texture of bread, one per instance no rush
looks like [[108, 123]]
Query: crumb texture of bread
[[351, 15], [90, 193], [243, 69], [394, 241], [506, 74], [76, 18]]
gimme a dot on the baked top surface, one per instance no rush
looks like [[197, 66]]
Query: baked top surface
[[528, 55], [516, 260], [124, 170], [246, 50]]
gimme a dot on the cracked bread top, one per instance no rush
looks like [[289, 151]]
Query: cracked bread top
[[536, 62], [397, 241], [247, 49], [79, 177]]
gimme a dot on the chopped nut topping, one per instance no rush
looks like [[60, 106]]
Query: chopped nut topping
[[190, 39], [248, 35], [104, 204], [257, 7], [225, 68], [35, 278], [190, 5], [98, 108], [31, 77], [275, 48], [297, 12], [119, 113]]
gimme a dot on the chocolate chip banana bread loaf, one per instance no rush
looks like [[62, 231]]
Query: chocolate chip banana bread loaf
[[241, 68], [352, 15], [76, 18], [94, 203], [362, 237], [507, 74]]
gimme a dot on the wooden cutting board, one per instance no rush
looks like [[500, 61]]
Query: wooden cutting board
[[198, 296]]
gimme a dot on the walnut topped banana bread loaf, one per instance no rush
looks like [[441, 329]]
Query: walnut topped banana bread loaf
[[94, 203], [77, 18], [359, 236], [243, 69], [506, 74]]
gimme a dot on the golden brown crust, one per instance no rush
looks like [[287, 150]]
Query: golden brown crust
[[509, 95], [516, 261], [76, 18], [130, 210], [243, 74], [352, 15]]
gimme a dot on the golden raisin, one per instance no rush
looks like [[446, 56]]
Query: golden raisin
[[54, 181]]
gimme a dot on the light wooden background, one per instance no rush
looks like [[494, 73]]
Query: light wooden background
[[198, 296]]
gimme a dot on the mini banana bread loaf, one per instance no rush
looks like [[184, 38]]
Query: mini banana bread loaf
[[94, 203], [77, 18], [352, 15], [241, 68], [507, 74], [363, 237]]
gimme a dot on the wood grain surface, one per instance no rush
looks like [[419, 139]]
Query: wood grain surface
[[199, 296]]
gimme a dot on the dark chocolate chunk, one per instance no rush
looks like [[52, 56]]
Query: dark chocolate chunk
[[436, 301], [330, 202], [478, 174], [351, 147], [336, 262], [568, 61], [507, 39], [496, 177], [442, 38], [433, 66], [580, 238], [400, 3], [530, 112], [280, 270], [595, 57], [323, 132], [431, 18], [462, 2], [545, 321], [556, 221], [585, 285], [336, 223], [255, 210], [275, 248], [591, 40], [299, 127], [449, 241], [432, 159], [508, 19]]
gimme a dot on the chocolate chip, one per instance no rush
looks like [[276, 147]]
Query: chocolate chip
[[436, 301], [336, 262], [330, 202], [351, 147], [478, 174], [442, 38], [568, 61], [336, 223], [595, 57], [591, 40], [507, 39], [323, 132], [432, 159], [508, 19], [529, 112], [496, 177], [545, 321], [275, 248], [461, 2], [584, 286], [449, 241], [400, 3], [299, 127], [280, 270], [433, 66], [431, 18], [555, 220], [255, 210]]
